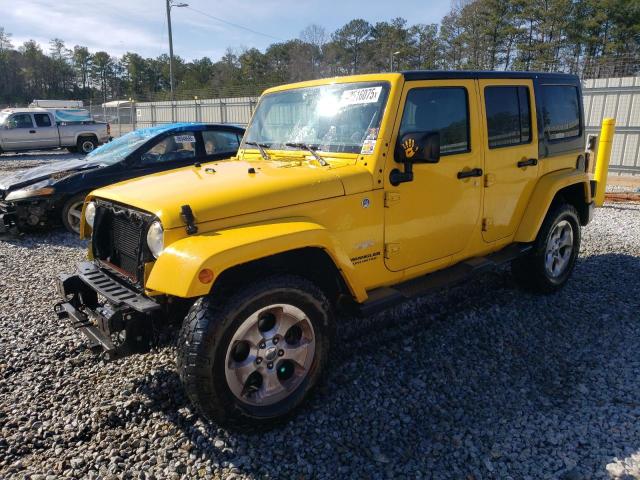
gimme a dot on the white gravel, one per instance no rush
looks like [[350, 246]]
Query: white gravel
[[476, 382]]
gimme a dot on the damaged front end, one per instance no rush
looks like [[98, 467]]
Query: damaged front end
[[26, 215], [115, 318]]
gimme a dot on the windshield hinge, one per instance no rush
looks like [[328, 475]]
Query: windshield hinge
[[390, 198]]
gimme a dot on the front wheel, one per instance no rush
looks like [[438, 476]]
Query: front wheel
[[548, 266], [255, 356], [72, 213]]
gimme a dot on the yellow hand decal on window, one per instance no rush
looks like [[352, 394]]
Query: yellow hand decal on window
[[410, 147]]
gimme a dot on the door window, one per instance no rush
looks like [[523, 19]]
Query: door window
[[439, 109], [42, 119], [508, 116], [21, 120], [220, 142], [181, 146], [561, 112]]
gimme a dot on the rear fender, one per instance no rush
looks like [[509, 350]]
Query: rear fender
[[176, 270], [545, 191]]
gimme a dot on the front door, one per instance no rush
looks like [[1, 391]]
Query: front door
[[433, 216], [511, 161], [21, 134]]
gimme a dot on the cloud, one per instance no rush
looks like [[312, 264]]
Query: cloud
[[118, 26]]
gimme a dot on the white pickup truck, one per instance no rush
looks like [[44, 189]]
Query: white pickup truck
[[37, 129]]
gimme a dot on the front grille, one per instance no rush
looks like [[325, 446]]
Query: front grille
[[118, 239]]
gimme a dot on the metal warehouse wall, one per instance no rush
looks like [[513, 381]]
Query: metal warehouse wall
[[618, 98], [217, 110]]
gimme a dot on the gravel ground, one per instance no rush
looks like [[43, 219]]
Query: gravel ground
[[476, 382]]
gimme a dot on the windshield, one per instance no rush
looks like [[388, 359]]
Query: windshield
[[340, 117], [118, 149]]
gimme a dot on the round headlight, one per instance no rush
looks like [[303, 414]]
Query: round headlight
[[90, 213], [155, 239]]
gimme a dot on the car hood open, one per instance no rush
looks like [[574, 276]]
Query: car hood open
[[226, 189]]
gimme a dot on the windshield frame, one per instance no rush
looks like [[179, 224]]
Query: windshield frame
[[287, 151]]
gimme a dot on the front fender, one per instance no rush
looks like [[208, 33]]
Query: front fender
[[176, 270], [543, 194]]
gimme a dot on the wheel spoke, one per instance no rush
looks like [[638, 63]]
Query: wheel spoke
[[270, 384], [75, 214], [243, 369], [285, 320], [297, 353]]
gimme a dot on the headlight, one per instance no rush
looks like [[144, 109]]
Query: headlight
[[155, 239], [39, 189], [90, 213]]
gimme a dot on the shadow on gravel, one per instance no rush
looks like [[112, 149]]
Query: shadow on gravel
[[481, 380]]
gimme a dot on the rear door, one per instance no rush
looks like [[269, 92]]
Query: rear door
[[46, 135], [511, 158], [21, 134]]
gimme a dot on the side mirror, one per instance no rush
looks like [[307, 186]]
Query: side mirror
[[414, 147]]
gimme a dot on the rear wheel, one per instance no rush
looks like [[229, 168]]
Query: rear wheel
[[548, 266], [87, 144], [72, 213], [255, 356]]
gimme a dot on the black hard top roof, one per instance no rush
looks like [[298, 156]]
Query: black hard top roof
[[477, 74]]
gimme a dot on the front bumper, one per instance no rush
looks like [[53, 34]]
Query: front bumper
[[116, 320], [28, 214]]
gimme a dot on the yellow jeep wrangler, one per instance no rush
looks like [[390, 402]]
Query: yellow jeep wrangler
[[350, 193]]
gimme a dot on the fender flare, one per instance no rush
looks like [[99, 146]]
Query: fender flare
[[543, 194], [177, 268]]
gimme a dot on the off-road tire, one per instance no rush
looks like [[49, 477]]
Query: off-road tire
[[529, 271], [84, 142], [208, 330], [69, 204]]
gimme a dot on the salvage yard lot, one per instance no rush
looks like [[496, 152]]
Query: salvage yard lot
[[478, 381]]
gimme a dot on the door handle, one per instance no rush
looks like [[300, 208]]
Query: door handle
[[474, 172], [32, 131], [530, 162]]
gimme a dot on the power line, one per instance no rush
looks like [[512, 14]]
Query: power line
[[233, 24]]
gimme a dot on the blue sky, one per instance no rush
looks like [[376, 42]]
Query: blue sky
[[118, 26]]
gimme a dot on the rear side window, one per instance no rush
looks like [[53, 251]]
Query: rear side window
[[220, 141], [561, 114], [444, 110], [42, 119], [508, 116]]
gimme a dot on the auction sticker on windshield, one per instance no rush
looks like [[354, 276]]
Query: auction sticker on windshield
[[185, 139], [360, 95]]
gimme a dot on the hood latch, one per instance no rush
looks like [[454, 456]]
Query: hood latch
[[188, 218]]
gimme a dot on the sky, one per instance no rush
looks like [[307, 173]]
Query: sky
[[118, 26]]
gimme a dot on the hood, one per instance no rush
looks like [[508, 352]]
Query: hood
[[226, 189], [37, 174]]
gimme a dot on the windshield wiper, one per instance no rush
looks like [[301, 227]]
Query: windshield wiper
[[261, 148], [312, 149]]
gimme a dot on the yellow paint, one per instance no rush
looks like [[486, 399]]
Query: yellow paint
[[541, 198], [603, 157], [375, 233], [507, 186]]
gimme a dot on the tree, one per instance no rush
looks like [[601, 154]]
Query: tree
[[349, 41]]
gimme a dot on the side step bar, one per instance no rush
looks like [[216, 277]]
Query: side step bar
[[385, 297]]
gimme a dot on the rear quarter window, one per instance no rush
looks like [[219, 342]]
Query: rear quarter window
[[561, 113]]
